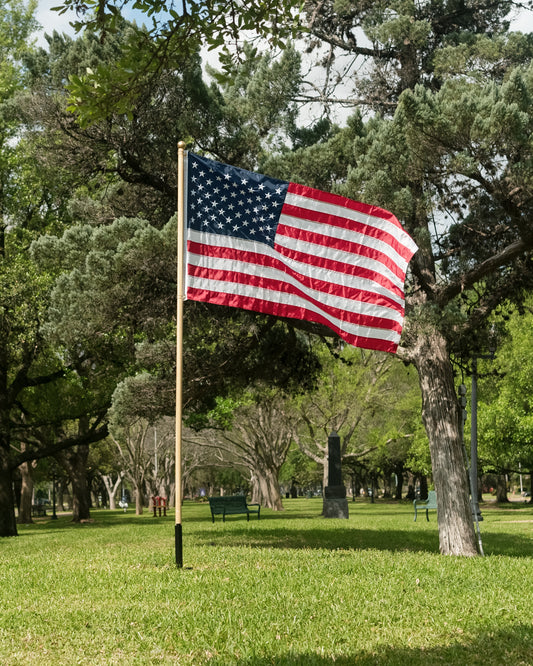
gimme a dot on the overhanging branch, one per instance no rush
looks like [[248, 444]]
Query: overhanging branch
[[512, 251], [96, 434]]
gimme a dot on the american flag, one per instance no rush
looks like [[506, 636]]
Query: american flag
[[270, 246]]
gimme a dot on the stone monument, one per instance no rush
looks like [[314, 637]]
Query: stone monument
[[335, 502]]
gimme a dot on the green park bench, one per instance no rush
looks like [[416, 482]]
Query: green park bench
[[232, 504], [430, 503]]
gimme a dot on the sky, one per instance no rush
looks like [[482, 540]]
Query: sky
[[50, 20]]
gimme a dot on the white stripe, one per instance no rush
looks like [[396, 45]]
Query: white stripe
[[341, 211], [331, 300], [334, 254], [294, 300], [303, 269], [348, 235]]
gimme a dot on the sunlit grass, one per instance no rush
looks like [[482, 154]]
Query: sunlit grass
[[292, 588]]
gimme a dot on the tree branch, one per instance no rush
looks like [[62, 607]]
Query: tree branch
[[95, 434], [453, 289]]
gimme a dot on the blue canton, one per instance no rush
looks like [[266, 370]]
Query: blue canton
[[222, 199]]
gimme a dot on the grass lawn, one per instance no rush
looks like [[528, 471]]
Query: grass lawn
[[292, 588]]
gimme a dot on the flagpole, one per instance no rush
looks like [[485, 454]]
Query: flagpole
[[179, 353]]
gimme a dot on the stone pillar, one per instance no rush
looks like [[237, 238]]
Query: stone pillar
[[335, 502]]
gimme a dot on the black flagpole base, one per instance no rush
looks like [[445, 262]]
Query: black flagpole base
[[179, 546]]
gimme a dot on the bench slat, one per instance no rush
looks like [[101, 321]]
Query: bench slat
[[430, 503], [232, 504]]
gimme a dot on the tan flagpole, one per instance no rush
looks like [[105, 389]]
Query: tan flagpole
[[179, 352]]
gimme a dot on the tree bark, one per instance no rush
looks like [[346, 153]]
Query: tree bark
[[265, 489], [440, 413], [75, 462], [410, 486], [501, 489], [8, 524], [111, 489], [423, 487], [139, 499], [399, 483], [26, 494]]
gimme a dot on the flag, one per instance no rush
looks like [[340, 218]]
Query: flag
[[270, 246]]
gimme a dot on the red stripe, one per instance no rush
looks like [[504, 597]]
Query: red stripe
[[281, 287], [340, 267], [283, 310], [340, 222], [344, 202], [340, 244], [352, 293]]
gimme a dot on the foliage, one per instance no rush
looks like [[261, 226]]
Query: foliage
[[117, 167], [166, 43], [367, 398], [97, 304], [301, 469], [506, 408]]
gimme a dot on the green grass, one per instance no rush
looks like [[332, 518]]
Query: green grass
[[292, 588]]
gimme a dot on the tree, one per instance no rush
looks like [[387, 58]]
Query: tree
[[32, 375], [399, 435], [457, 145], [254, 437], [506, 408], [172, 37], [350, 391]]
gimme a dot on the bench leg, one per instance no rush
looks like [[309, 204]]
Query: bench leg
[[247, 517], [427, 515], [415, 515]]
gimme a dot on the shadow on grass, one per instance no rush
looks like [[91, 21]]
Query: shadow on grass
[[350, 538], [509, 646], [269, 532], [344, 538]]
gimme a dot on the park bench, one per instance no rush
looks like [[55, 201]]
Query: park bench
[[232, 504], [38, 510], [430, 503]]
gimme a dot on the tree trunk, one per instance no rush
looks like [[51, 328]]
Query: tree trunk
[[501, 489], [8, 524], [423, 487], [410, 487], [325, 472], [75, 462], [399, 484], [26, 494], [111, 489], [139, 500], [60, 495], [387, 485], [440, 413], [265, 489]]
